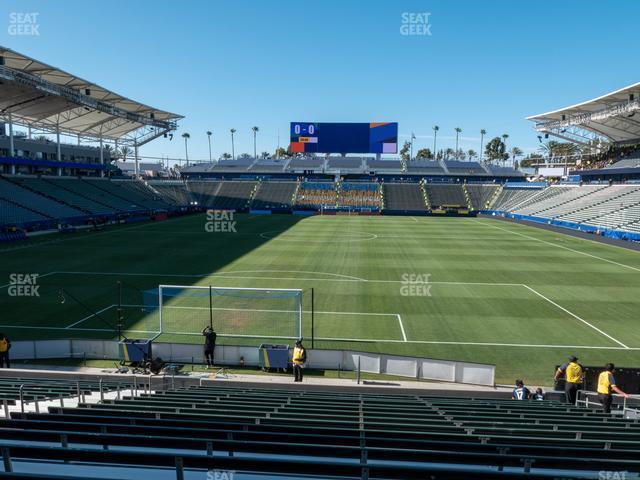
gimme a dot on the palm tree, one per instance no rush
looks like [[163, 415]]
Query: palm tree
[[209, 133], [471, 154], [255, 131], [124, 152], [448, 153], [550, 148], [515, 152], [435, 135], [233, 151], [458, 131], [186, 137], [483, 132], [504, 140]]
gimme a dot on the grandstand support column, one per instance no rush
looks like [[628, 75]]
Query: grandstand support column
[[11, 146], [101, 156], [58, 153], [135, 154]]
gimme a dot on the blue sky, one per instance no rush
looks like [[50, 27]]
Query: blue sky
[[240, 63]]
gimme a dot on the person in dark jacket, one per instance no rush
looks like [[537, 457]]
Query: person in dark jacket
[[5, 346], [209, 344]]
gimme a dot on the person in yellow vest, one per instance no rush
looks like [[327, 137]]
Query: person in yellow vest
[[299, 359], [606, 386], [574, 377], [5, 346]]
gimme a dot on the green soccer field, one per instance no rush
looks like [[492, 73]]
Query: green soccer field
[[454, 288]]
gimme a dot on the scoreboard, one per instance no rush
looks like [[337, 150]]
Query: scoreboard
[[314, 137]]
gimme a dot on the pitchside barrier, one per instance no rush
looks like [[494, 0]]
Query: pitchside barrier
[[605, 232], [348, 360]]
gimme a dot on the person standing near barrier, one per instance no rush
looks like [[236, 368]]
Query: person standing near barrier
[[5, 346], [574, 377], [299, 360], [209, 344], [606, 386]]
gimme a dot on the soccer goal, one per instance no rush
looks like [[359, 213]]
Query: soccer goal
[[231, 311]]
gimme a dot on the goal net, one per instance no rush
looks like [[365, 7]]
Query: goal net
[[231, 311]]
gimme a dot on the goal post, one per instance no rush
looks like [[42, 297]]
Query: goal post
[[269, 313]]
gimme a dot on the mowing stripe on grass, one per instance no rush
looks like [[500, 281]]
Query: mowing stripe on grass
[[93, 234], [575, 316], [228, 275], [377, 314], [559, 246]]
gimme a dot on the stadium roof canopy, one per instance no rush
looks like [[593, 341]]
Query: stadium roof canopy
[[40, 96], [611, 118]]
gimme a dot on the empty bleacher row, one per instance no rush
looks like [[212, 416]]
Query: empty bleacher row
[[615, 207], [336, 164], [282, 433], [275, 195], [440, 195], [404, 197], [30, 199]]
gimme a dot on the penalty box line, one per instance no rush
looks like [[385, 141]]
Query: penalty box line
[[229, 275], [395, 315]]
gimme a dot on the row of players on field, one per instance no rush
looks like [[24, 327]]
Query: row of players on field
[[573, 374]]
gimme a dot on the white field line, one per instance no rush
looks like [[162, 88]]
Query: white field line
[[480, 344], [414, 219], [404, 335], [33, 327], [623, 346], [560, 246], [73, 325], [361, 340], [296, 271], [229, 275], [89, 316], [575, 316]]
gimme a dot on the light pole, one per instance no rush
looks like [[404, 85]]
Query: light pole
[[186, 137], [483, 132], [458, 130], [209, 133], [233, 151], [255, 131], [413, 137], [435, 136]]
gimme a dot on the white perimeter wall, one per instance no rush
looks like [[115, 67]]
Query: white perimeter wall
[[413, 367]]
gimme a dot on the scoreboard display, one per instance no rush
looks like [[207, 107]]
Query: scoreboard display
[[313, 137]]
